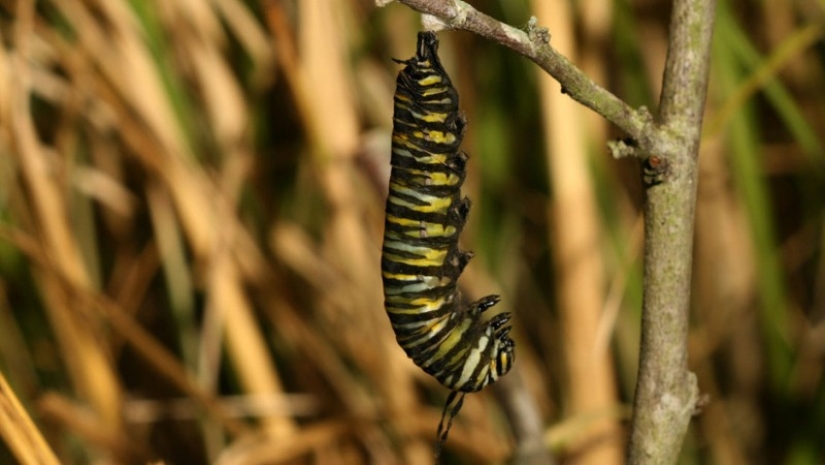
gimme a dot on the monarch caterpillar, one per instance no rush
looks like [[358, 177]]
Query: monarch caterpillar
[[421, 260]]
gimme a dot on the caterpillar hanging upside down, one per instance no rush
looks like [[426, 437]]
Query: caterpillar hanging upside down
[[421, 260]]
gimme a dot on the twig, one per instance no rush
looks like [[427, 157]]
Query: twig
[[535, 45]]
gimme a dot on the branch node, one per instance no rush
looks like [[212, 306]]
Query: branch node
[[461, 10], [538, 35], [655, 170], [622, 148], [702, 402]]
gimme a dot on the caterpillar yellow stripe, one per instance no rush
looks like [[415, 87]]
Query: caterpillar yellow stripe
[[421, 260]]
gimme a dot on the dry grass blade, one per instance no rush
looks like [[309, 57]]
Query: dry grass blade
[[349, 245], [576, 246], [90, 368], [19, 431], [789, 49], [245, 341], [86, 426], [263, 449], [123, 323], [562, 435]]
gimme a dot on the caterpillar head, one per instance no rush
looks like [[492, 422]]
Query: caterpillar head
[[503, 349]]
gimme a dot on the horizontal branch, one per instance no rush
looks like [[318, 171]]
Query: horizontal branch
[[535, 45]]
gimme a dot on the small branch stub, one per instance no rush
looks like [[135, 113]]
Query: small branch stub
[[702, 402], [655, 170], [538, 34], [622, 148]]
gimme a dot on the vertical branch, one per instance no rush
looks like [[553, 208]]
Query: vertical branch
[[666, 392]]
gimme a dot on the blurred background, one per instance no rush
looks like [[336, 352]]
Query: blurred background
[[192, 199]]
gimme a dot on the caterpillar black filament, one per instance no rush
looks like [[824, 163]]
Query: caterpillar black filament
[[421, 260]]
